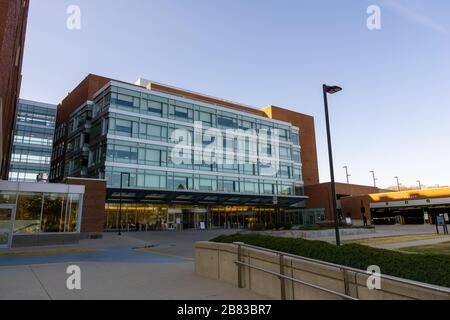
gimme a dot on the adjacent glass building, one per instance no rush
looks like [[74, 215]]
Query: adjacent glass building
[[132, 136], [32, 140]]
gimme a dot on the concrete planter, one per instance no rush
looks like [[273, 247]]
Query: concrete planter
[[217, 261], [314, 234]]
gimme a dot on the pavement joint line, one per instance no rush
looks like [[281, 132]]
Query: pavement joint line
[[50, 252], [164, 254], [40, 283]]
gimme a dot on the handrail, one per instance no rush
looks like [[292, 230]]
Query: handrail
[[296, 280], [345, 268]]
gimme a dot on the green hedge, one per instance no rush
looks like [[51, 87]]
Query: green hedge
[[427, 268]]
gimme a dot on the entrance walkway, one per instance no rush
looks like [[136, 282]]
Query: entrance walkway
[[134, 266]]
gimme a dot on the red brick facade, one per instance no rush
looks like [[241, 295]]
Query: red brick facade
[[320, 197], [13, 22], [94, 215]]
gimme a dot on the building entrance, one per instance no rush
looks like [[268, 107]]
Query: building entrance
[[7, 213]]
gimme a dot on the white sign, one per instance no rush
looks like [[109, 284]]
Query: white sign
[[202, 225], [446, 217], [178, 220], [348, 221]]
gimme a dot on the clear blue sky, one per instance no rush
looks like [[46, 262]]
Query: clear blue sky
[[393, 115]]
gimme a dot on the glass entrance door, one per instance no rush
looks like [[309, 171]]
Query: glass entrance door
[[6, 224]]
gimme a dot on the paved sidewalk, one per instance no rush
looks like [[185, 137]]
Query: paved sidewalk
[[133, 266], [102, 280], [393, 246]]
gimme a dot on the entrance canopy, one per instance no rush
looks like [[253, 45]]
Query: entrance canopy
[[202, 198]]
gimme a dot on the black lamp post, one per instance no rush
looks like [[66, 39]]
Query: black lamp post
[[120, 203], [347, 175], [374, 178], [398, 184], [332, 90]]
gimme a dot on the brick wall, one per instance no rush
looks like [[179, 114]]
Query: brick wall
[[13, 22], [320, 197], [94, 215]]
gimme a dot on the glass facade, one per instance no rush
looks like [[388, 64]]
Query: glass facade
[[136, 131], [44, 212], [33, 139]]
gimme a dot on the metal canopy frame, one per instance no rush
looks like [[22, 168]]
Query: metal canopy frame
[[201, 198]]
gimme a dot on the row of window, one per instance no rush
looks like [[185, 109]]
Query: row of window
[[141, 103], [36, 115], [195, 182], [160, 157]]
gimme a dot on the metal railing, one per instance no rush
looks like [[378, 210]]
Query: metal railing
[[281, 275]]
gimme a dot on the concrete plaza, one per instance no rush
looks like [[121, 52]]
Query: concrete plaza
[[153, 265], [126, 267]]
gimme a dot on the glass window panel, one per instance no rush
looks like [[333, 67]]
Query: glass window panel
[[8, 197], [72, 213], [124, 127], [54, 211], [28, 215]]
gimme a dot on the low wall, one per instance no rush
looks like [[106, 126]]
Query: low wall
[[315, 234], [40, 240], [217, 261]]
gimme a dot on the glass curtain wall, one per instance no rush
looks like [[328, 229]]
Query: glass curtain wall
[[38, 213]]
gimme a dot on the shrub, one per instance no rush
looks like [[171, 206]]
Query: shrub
[[428, 268]]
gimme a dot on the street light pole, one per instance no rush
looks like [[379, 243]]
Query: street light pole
[[120, 203], [374, 178], [347, 175], [331, 90], [398, 183], [420, 184]]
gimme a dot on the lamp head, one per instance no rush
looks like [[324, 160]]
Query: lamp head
[[332, 89]]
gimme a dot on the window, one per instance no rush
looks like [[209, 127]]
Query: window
[[124, 127], [249, 186], [285, 172], [285, 189], [155, 108], [206, 183], [125, 154], [230, 186], [297, 175], [206, 118], [296, 156], [157, 132], [152, 157], [53, 214], [227, 122], [269, 187], [181, 113], [283, 134], [285, 153], [295, 138], [179, 182], [126, 101], [28, 213]]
